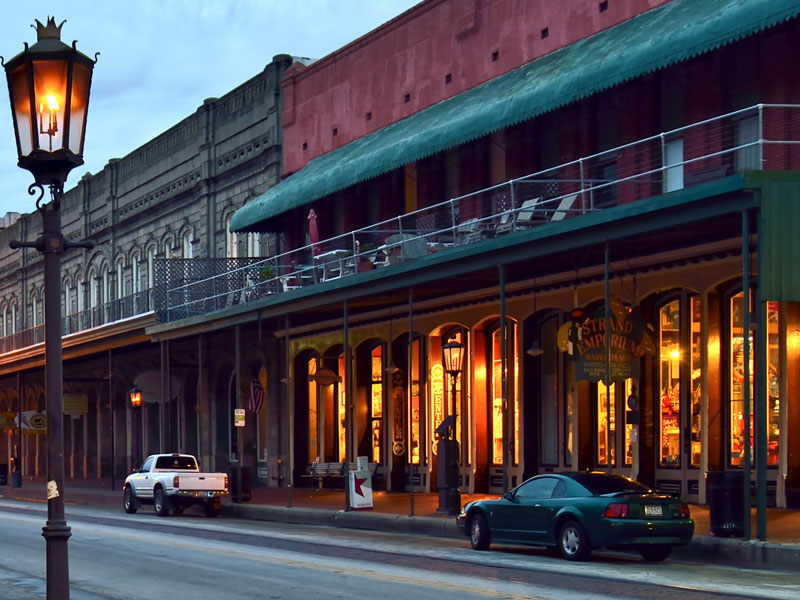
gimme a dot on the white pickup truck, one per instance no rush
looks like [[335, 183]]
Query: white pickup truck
[[173, 482]]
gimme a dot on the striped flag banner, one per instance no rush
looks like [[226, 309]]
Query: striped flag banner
[[256, 396]]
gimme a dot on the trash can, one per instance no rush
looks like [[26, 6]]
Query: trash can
[[247, 483], [726, 503]]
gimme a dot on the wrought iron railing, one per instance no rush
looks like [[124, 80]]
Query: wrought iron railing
[[97, 316], [749, 139]]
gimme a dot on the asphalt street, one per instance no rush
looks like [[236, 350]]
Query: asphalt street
[[113, 555]]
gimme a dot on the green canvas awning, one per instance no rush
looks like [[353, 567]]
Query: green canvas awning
[[658, 38]]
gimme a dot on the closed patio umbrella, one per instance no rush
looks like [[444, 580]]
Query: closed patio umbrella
[[313, 231]]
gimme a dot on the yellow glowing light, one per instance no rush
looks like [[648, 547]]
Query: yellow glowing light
[[675, 354], [52, 103]]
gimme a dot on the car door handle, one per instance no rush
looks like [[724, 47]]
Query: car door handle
[[537, 505]]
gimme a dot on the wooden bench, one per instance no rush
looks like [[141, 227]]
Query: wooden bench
[[331, 470]]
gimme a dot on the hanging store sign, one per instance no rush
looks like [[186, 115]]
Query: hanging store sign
[[75, 404], [587, 337], [238, 417], [325, 377]]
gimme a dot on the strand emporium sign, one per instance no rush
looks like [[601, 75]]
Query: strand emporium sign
[[588, 340]]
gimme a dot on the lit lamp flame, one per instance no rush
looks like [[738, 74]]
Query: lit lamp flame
[[52, 122]]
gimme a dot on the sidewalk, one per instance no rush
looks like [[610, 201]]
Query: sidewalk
[[392, 512]]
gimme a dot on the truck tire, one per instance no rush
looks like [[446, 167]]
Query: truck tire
[[212, 508], [129, 501], [160, 502]]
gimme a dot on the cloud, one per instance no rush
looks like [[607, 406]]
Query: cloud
[[159, 59]]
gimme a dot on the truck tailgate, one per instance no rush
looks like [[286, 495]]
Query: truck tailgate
[[201, 482]]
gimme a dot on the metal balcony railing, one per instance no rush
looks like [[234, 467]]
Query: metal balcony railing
[[749, 139], [115, 310]]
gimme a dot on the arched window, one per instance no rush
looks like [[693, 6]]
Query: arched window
[[188, 240], [136, 273], [94, 292], [151, 257], [79, 290], [120, 269], [231, 239]]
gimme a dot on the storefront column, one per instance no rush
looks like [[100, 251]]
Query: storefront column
[[287, 381], [409, 373], [507, 441], [762, 410], [746, 369], [348, 413], [607, 292]]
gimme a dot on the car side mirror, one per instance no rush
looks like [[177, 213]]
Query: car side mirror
[[508, 496]]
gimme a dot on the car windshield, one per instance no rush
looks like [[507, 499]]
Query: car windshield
[[602, 483]]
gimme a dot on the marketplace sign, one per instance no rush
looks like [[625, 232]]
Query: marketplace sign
[[32, 421], [586, 338]]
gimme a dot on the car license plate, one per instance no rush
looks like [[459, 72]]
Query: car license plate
[[652, 511]]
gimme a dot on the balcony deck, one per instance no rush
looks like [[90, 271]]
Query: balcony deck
[[748, 139]]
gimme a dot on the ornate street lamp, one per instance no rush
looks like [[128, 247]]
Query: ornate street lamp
[[49, 88], [136, 396], [448, 452], [136, 403]]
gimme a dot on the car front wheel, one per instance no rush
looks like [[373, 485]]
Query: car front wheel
[[479, 535], [128, 502], [573, 543], [655, 553]]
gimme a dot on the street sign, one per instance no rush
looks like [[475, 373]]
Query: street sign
[[238, 417]]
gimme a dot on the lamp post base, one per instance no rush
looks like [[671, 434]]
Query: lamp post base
[[55, 534]]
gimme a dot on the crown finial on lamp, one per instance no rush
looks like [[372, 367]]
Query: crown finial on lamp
[[51, 31]]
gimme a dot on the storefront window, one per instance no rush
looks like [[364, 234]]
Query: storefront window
[[606, 428], [697, 391], [549, 392], [497, 394], [341, 421], [376, 403], [737, 383], [261, 415], [415, 402], [670, 384], [773, 386], [628, 426], [313, 409]]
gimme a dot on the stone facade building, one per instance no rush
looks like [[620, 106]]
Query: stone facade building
[[171, 198]]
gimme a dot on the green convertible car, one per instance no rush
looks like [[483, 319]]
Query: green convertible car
[[574, 513]]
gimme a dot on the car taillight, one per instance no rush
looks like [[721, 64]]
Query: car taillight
[[684, 511], [226, 482], [616, 510], [176, 482]]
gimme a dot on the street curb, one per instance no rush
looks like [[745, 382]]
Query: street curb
[[751, 554], [704, 549], [432, 526]]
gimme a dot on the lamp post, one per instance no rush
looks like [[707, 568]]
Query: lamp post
[[136, 403], [448, 453], [48, 84]]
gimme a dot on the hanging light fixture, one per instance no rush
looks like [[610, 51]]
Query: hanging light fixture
[[536, 347]]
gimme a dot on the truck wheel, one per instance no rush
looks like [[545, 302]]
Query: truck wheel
[[128, 501], [160, 502], [212, 508]]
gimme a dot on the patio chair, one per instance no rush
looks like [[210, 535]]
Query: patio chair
[[563, 207], [522, 219]]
